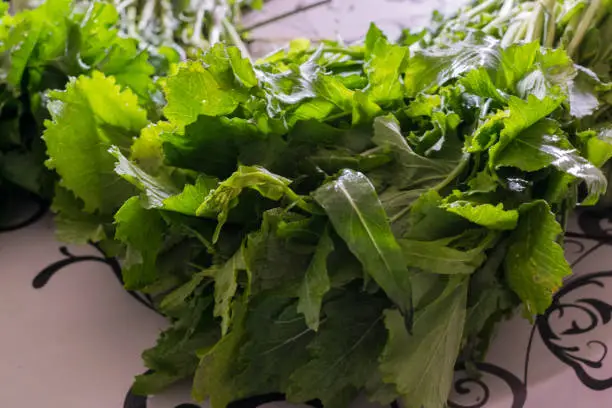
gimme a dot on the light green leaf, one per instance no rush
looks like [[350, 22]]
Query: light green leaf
[[192, 196], [142, 231], [522, 115], [225, 288], [147, 151], [316, 283], [435, 66], [92, 114], [225, 197], [156, 190], [332, 90], [487, 215], [535, 264], [479, 82], [364, 109], [514, 63], [437, 257], [72, 224], [598, 145], [193, 91], [383, 69], [242, 67]]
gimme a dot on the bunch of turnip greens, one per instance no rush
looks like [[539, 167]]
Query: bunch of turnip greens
[[335, 220], [41, 48], [581, 27]]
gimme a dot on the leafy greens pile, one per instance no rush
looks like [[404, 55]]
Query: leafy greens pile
[[581, 27], [334, 220], [43, 47]]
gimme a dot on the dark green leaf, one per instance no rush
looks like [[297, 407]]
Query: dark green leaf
[[357, 215], [421, 364], [344, 353], [535, 265]]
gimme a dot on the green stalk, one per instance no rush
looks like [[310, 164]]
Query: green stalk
[[146, 15], [511, 34], [601, 13], [236, 39], [506, 9], [520, 34], [167, 19], [536, 22], [484, 6], [505, 13], [569, 31], [550, 23], [584, 25]]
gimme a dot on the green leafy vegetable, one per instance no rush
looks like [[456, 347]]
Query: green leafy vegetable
[[535, 265], [338, 220], [44, 44], [358, 217], [421, 364], [92, 114], [142, 232]]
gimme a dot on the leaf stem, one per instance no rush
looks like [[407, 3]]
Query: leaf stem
[[235, 38], [300, 202], [550, 23], [451, 176], [583, 26], [478, 9], [505, 13], [536, 22]]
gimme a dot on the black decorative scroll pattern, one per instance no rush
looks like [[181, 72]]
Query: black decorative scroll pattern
[[477, 391], [590, 223], [576, 344], [584, 315], [43, 277], [38, 210], [137, 401]]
